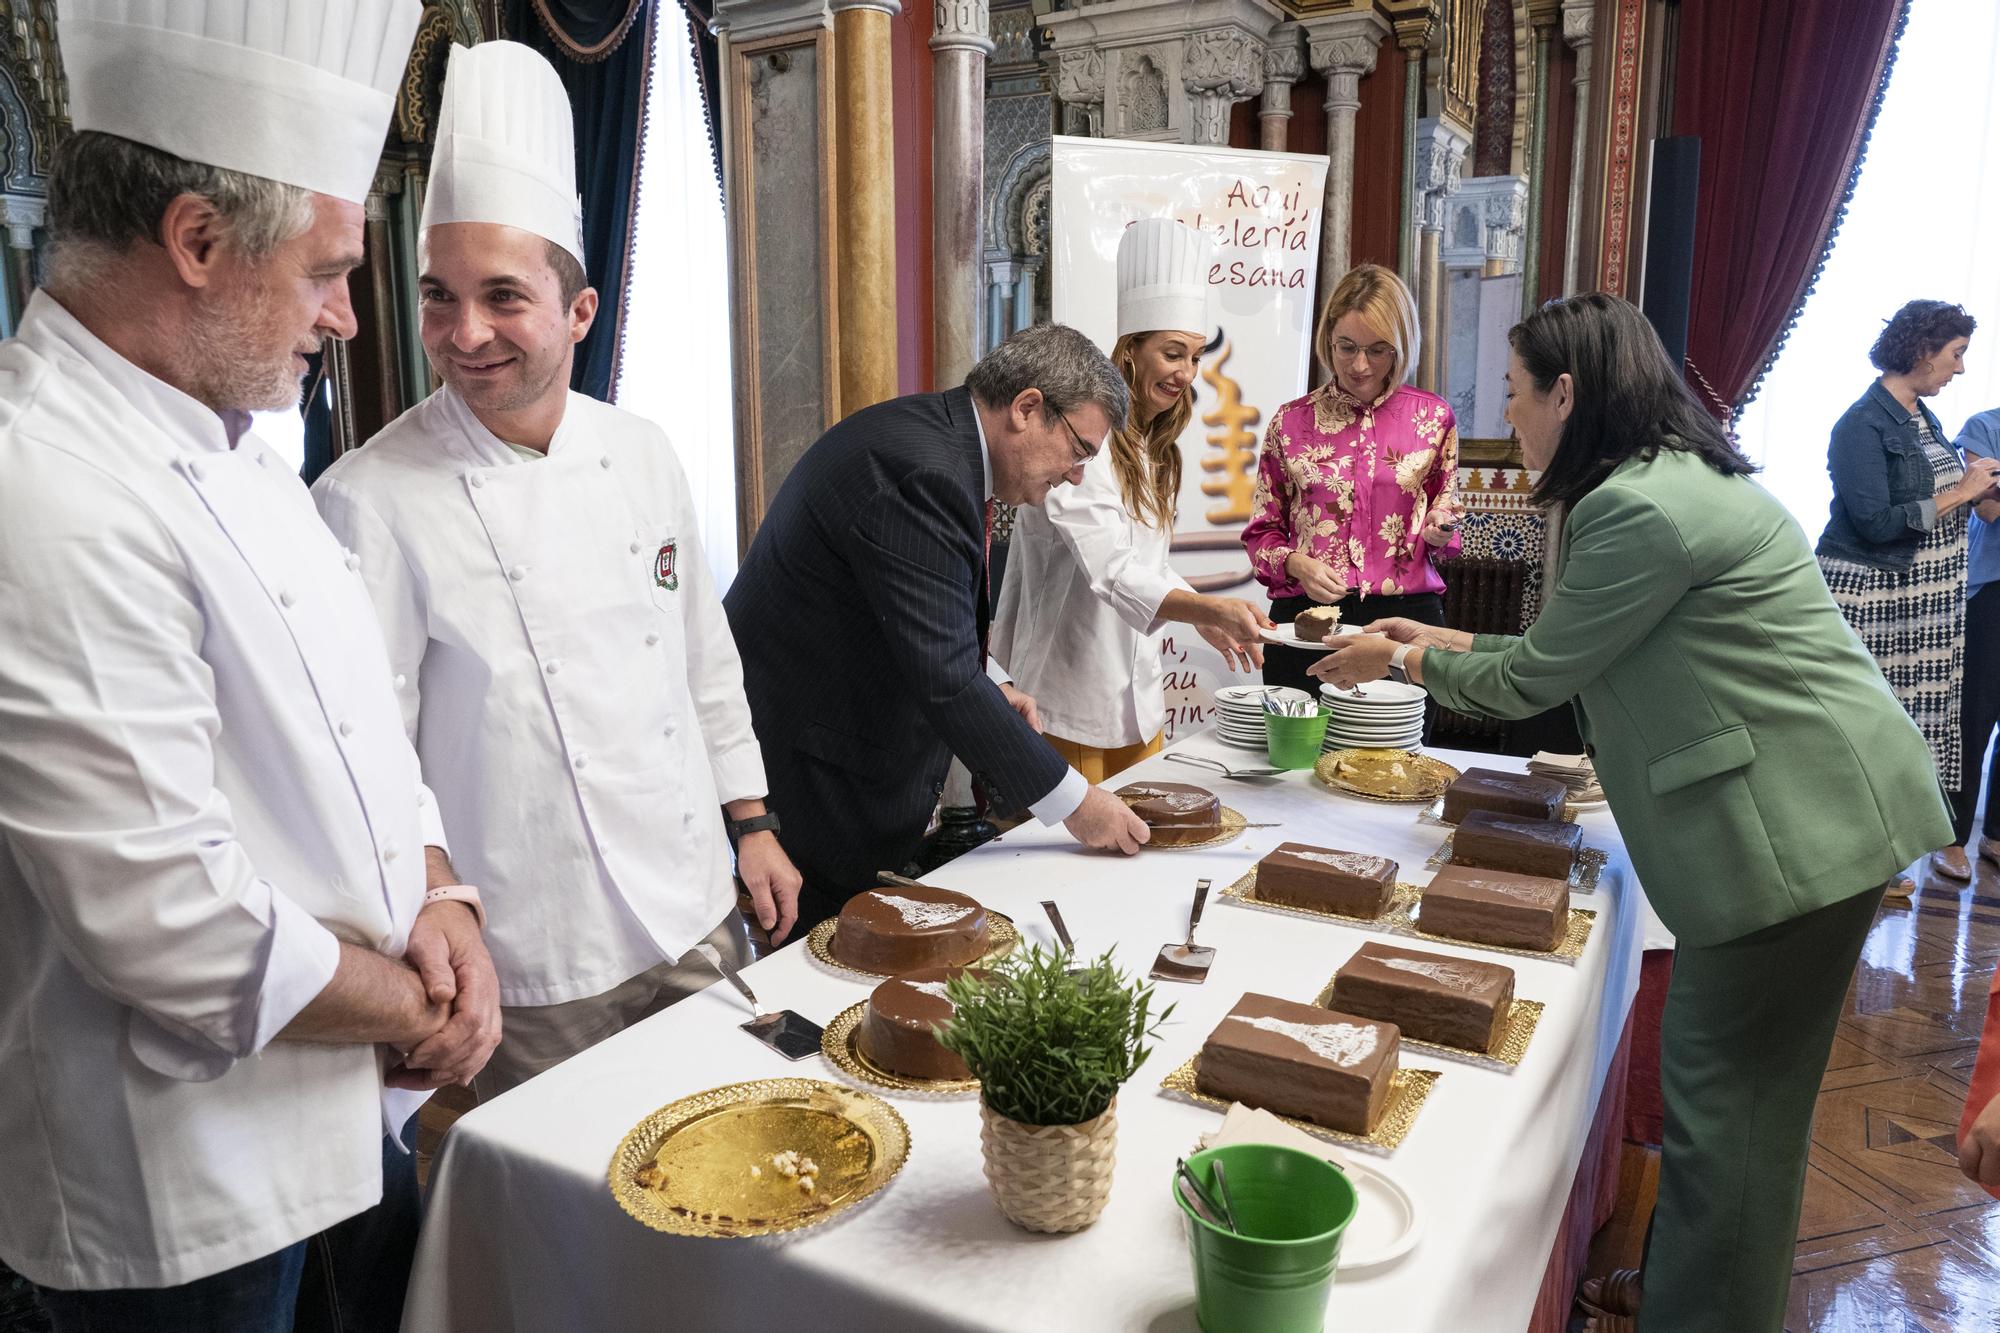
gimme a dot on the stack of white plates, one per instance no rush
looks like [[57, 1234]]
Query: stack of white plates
[[1381, 715], [1239, 712]]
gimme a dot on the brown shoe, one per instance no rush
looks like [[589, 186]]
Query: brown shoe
[[1951, 863], [1989, 853], [1615, 1295], [1899, 889]]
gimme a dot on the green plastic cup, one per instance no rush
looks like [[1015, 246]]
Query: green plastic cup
[[1273, 1275], [1294, 742]]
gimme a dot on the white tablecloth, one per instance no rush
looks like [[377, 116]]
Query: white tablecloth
[[521, 1231]]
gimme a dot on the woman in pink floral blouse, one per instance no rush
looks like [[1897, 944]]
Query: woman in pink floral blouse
[[1355, 485]]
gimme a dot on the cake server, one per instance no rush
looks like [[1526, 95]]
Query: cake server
[[1189, 961], [1216, 765], [1062, 931], [788, 1032]]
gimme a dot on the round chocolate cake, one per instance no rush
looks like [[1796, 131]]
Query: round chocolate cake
[[899, 1030], [1176, 812], [900, 929]]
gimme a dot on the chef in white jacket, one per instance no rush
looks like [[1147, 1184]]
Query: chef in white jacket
[[561, 653], [213, 835], [1088, 582]]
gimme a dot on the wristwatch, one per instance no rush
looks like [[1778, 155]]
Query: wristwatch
[[1397, 671], [766, 822]]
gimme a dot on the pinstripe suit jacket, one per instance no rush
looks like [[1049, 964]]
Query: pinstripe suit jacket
[[859, 613]]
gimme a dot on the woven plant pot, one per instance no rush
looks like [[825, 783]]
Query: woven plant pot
[[1052, 1178]]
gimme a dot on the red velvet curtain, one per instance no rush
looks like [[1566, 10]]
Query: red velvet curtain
[[1782, 96]]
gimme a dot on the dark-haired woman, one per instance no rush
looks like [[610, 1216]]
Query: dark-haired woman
[[1088, 582], [1894, 548], [1765, 780]]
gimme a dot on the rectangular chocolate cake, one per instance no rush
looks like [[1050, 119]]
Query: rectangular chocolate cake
[[1451, 1001], [1494, 841], [1520, 794], [1496, 907], [1303, 1061], [1299, 875]]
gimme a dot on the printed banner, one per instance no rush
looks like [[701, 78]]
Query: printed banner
[[1263, 212]]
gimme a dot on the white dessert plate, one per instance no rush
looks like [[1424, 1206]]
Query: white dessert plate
[[1249, 696], [1288, 636], [1375, 693], [1385, 1228]]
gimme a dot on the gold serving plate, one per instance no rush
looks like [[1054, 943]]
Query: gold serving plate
[[1401, 776], [1407, 1090], [707, 1165], [1244, 893], [1590, 863], [1002, 937], [1522, 1018], [839, 1045], [1231, 826]]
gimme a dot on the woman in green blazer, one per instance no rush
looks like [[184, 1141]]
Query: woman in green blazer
[[1765, 780]]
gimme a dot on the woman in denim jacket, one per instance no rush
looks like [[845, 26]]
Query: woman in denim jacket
[[1894, 549]]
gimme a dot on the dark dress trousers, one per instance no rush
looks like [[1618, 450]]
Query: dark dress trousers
[[860, 613]]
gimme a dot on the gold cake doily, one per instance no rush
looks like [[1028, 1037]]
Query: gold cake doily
[[1522, 1018], [839, 1045], [1230, 826], [1001, 938], [1590, 863], [1398, 776], [715, 1156], [1407, 1090], [1244, 893]]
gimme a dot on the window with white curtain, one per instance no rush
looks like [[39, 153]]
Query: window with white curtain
[[676, 367], [1924, 223]]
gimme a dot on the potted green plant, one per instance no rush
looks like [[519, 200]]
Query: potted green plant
[[1050, 1046]]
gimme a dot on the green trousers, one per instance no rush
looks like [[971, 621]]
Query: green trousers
[[1748, 1027]]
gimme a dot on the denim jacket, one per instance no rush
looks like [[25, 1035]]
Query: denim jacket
[[1882, 484]]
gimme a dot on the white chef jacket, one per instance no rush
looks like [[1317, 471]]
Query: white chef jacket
[[204, 786], [568, 676], [1079, 608]]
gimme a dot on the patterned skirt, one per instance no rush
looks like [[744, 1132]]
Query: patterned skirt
[[1914, 624]]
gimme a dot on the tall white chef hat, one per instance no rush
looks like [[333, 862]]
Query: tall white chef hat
[[505, 149], [298, 91], [1163, 278]]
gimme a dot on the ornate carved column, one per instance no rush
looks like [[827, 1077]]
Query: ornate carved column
[[1441, 149], [1284, 65], [1080, 90], [959, 48], [1414, 25], [865, 169], [1543, 16], [1577, 18], [23, 216], [1343, 48], [1219, 68]]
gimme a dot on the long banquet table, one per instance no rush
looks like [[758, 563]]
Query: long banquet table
[[521, 1231]]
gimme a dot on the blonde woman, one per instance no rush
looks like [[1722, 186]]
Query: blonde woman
[[1355, 493], [1088, 582]]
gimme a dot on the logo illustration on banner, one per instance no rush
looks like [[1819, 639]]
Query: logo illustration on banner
[[664, 573]]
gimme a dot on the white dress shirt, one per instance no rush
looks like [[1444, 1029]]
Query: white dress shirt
[[580, 720], [1079, 609], [1063, 800], [204, 786]]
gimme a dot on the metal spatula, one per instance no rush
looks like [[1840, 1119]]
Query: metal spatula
[[1189, 961], [788, 1032]]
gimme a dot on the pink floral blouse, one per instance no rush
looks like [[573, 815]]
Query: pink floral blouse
[[1350, 484]]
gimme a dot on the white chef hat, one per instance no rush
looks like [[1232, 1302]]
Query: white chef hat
[[505, 150], [1163, 278], [298, 91]]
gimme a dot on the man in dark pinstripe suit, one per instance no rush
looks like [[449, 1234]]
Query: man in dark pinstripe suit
[[861, 615]]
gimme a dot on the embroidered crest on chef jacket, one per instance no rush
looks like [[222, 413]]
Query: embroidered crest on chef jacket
[[664, 573]]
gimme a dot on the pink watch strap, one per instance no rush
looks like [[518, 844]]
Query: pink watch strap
[[458, 893]]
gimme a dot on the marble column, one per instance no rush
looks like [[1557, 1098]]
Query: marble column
[[1413, 36], [1343, 48], [1284, 65], [1577, 17], [1441, 149], [959, 49], [865, 172], [1024, 293], [1543, 16], [1080, 90], [22, 215], [999, 288], [1219, 68]]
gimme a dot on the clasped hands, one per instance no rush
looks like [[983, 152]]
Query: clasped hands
[[459, 1020]]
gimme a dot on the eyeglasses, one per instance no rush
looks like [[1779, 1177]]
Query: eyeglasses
[[1084, 452], [1346, 349]]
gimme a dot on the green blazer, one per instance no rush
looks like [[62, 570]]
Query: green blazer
[[1756, 761]]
